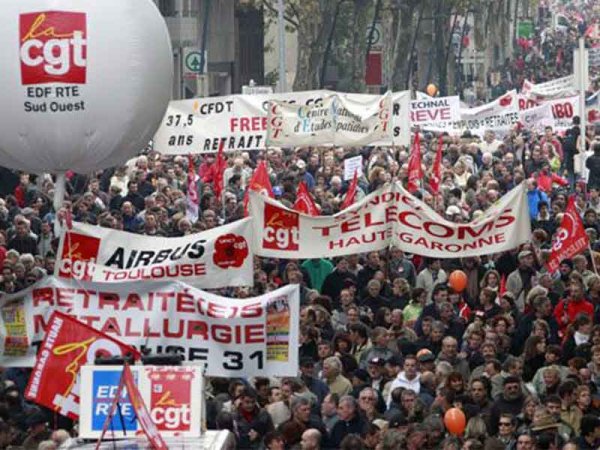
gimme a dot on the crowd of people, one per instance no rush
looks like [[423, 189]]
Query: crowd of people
[[387, 346]]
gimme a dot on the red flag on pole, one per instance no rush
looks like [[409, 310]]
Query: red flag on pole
[[570, 238], [415, 170], [260, 182], [139, 407], [502, 288], [304, 202], [436, 176], [68, 345], [193, 202], [351, 193], [221, 164]]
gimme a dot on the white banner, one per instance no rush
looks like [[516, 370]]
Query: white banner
[[212, 259], [537, 118], [561, 87], [232, 337], [500, 116], [563, 109], [173, 396], [240, 121], [389, 216], [341, 119]]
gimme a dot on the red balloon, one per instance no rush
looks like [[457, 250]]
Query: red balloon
[[458, 280], [455, 421]]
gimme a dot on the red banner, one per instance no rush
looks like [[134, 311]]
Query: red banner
[[68, 345], [436, 177], [415, 170], [351, 194], [141, 411], [304, 202], [570, 238], [260, 182]]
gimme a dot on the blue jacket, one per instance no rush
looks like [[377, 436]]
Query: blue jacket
[[534, 198]]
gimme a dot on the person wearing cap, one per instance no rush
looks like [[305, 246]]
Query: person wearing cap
[[520, 281], [377, 372], [37, 431], [316, 386], [426, 360], [590, 433], [304, 175]]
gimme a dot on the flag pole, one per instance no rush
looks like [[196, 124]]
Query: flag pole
[[593, 259]]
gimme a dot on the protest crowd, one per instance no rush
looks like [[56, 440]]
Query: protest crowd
[[389, 341]]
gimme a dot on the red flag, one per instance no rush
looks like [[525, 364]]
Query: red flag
[[304, 202], [502, 288], [436, 177], [193, 202], [351, 193], [570, 238], [415, 171], [139, 407], [68, 345], [260, 182], [221, 164]]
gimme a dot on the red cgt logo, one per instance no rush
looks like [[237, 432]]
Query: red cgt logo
[[170, 402], [281, 229], [53, 47], [231, 250], [79, 254]]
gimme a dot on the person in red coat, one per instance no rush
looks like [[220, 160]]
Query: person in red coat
[[575, 303]]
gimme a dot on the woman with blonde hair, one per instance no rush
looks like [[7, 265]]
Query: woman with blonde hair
[[491, 279], [476, 429]]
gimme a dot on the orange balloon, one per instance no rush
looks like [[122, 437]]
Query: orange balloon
[[455, 421], [458, 280], [431, 90]]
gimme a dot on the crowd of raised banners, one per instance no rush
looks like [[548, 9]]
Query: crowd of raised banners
[[256, 122]]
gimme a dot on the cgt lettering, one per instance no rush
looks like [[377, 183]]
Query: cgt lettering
[[78, 269], [172, 418], [283, 238], [53, 47]]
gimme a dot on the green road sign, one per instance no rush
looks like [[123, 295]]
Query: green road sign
[[193, 62]]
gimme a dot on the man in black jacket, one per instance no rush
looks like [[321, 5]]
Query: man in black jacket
[[350, 422], [510, 401], [251, 421]]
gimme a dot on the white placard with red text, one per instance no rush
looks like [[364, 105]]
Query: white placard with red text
[[232, 337], [388, 216], [426, 112], [171, 394], [500, 116], [212, 259]]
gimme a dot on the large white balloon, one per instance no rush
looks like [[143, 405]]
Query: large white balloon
[[83, 83]]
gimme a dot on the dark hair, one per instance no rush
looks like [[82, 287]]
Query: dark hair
[[351, 442]]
